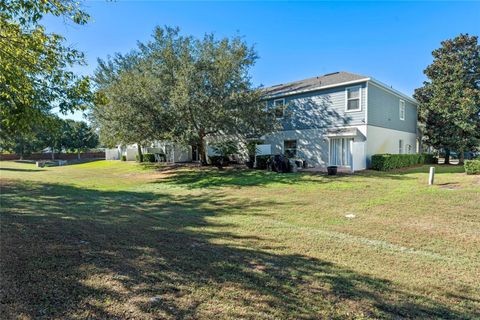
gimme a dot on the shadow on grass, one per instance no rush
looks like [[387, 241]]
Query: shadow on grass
[[20, 169], [80, 253], [193, 178]]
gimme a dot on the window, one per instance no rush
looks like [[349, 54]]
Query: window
[[402, 110], [290, 147], [400, 146], [353, 99], [279, 106]]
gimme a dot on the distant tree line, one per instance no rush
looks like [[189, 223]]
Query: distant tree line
[[53, 133]]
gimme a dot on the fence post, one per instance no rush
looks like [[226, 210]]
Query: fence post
[[431, 176]]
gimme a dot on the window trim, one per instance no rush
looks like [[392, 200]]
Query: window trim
[[401, 104], [283, 105], [401, 146], [359, 98]]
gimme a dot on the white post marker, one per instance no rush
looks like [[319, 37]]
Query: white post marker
[[431, 176]]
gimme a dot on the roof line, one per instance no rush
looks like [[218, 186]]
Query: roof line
[[317, 88]]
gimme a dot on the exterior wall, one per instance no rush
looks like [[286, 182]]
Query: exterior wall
[[112, 154], [130, 154], [174, 152], [321, 109], [382, 140], [384, 111], [182, 153], [313, 145]]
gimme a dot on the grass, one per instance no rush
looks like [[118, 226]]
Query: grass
[[110, 239]]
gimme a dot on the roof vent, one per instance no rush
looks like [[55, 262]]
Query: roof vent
[[329, 74]]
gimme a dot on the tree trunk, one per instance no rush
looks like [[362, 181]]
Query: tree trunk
[[201, 148], [53, 154], [461, 157], [78, 153], [447, 156], [140, 154], [22, 151]]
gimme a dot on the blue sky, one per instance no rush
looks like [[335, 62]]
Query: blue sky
[[390, 41]]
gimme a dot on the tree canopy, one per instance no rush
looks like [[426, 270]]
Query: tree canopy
[[35, 66], [181, 88], [450, 99]]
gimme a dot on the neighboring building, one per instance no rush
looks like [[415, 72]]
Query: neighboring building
[[341, 119], [174, 152]]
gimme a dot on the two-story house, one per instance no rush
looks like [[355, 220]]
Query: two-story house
[[341, 119]]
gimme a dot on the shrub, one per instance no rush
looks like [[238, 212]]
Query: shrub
[[385, 162], [262, 162], [218, 161], [148, 157], [472, 166], [123, 158], [223, 150], [429, 158]]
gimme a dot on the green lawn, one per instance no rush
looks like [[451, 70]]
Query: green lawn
[[112, 239]]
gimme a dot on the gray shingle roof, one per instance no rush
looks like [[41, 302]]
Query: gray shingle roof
[[314, 83]]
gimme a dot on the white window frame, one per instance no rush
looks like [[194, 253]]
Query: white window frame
[[359, 99], [283, 104], [401, 146], [401, 109]]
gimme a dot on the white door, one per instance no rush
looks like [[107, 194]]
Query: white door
[[341, 152]]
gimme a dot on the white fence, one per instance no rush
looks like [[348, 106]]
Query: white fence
[[112, 154]]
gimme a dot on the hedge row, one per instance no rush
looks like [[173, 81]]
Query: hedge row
[[150, 157], [472, 166], [385, 162]]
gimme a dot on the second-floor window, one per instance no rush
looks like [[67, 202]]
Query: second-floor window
[[353, 99], [401, 110], [279, 105]]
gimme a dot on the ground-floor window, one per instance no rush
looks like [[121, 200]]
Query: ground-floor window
[[341, 152], [290, 147]]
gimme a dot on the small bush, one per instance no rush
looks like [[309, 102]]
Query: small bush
[[123, 158], [262, 162], [148, 157], [472, 166], [217, 160], [385, 162], [429, 158]]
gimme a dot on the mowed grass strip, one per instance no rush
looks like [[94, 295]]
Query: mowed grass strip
[[110, 239]]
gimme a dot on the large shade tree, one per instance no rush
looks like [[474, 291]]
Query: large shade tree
[[35, 66], [129, 106], [181, 88], [450, 99], [213, 94]]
